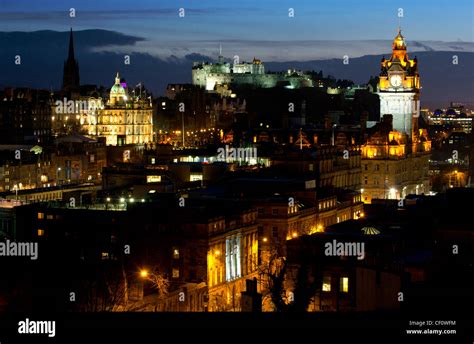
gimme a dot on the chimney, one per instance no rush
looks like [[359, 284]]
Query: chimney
[[364, 116], [388, 121]]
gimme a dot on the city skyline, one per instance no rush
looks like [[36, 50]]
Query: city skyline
[[174, 164]]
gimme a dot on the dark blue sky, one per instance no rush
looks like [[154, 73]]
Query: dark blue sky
[[445, 20], [251, 28], [320, 30]]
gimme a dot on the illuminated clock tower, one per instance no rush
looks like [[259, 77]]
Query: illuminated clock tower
[[399, 88]]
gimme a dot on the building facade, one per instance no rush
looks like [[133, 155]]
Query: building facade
[[123, 119]]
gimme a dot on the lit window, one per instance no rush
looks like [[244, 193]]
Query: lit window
[[344, 284], [40, 216], [175, 253], [49, 217], [175, 273], [327, 283], [40, 232], [105, 255]]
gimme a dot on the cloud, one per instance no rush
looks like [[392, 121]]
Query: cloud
[[282, 50]]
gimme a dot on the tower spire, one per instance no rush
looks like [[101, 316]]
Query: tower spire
[[221, 58], [71, 47], [71, 68]]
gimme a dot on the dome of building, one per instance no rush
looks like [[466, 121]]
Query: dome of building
[[117, 92], [399, 42], [117, 89]]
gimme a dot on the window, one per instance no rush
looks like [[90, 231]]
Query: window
[[274, 211], [40, 216], [366, 167], [327, 283], [49, 217], [175, 253], [275, 232], [344, 285], [261, 211], [232, 258], [175, 273], [366, 180], [377, 167], [40, 232], [105, 255]]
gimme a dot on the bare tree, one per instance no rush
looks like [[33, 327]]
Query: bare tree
[[159, 282], [276, 276]]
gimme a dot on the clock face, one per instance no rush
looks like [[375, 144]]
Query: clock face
[[396, 80]]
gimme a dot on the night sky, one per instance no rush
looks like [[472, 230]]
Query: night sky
[[247, 26]]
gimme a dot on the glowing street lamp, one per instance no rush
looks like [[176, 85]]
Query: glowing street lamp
[[143, 273]]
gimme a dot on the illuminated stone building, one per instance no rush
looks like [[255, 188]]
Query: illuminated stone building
[[392, 167], [123, 119], [209, 75], [399, 88], [395, 157]]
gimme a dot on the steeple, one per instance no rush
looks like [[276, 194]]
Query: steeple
[[221, 58], [399, 41], [71, 47], [71, 69]]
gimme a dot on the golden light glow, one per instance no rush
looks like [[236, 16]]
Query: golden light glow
[[217, 252], [143, 273], [265, 239], [294, 234]]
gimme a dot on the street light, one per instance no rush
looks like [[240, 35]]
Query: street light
[[333, 139], [143, 273]]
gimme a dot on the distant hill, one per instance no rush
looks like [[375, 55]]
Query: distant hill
[[43, 54]]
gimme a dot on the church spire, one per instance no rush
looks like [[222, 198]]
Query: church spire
[[71, 47], [71, 68]]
